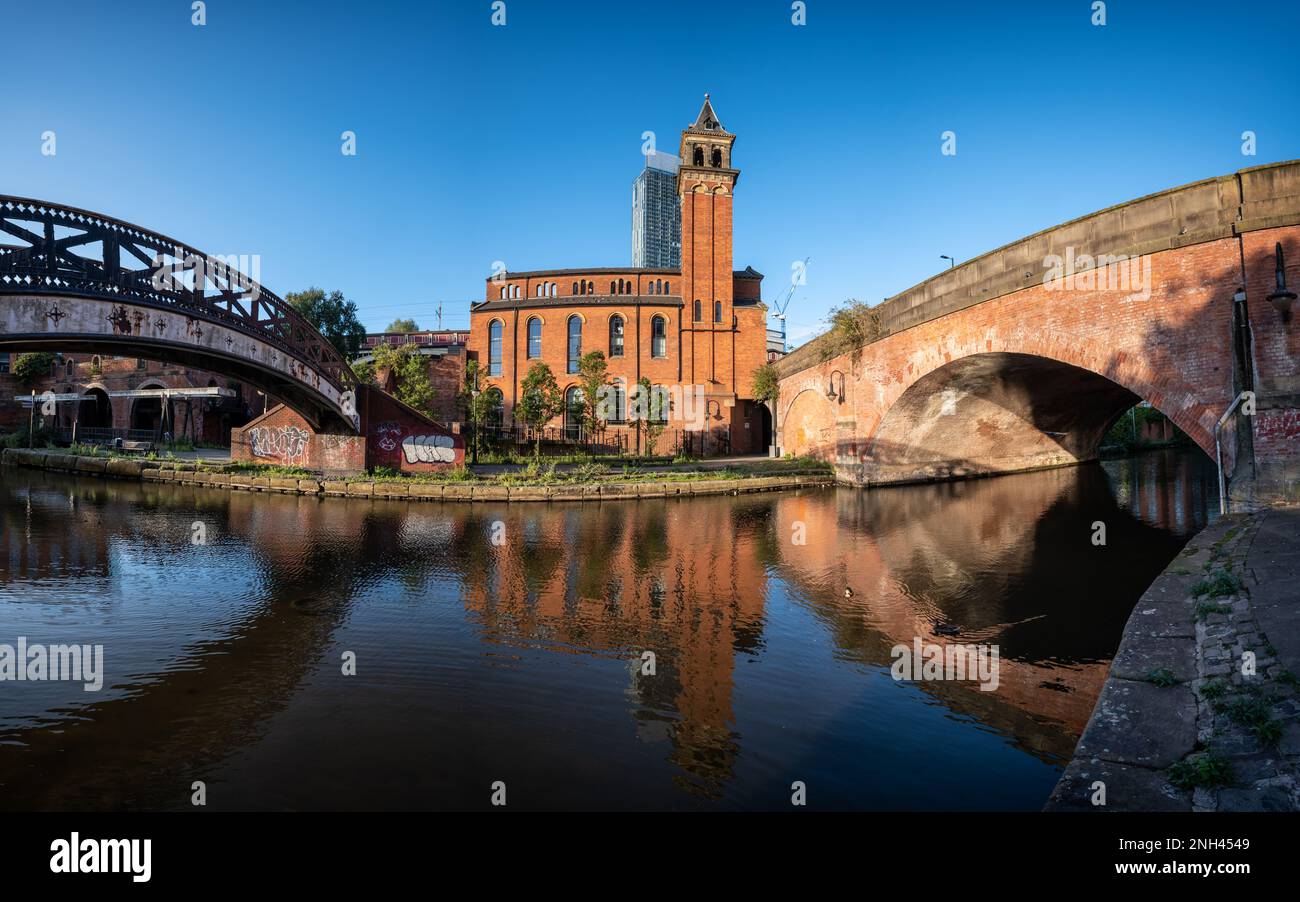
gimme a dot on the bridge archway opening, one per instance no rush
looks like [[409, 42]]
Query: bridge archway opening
[[96, 411], [995, 412], [146, 413]]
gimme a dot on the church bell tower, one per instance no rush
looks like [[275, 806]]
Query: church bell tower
[[705, 183]]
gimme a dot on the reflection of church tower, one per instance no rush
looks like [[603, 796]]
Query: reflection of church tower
[[705, 183]]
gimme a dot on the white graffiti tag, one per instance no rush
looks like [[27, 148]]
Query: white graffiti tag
[[428, 449], [286, 443]]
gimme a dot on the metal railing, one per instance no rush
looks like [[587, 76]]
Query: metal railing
[[600, 441], [170, 276], [699, 443]]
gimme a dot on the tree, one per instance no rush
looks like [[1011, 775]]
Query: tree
[[365, 373], [852, 325], [648, 410], [405, 326], [334, 315], [767, 385], [411, 383], [540, 401], [593, 371], [476, 406], [30, 367]]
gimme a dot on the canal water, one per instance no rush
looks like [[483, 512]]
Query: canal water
[[509, 642]]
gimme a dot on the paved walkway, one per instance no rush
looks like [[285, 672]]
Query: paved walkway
[[1201, 710]]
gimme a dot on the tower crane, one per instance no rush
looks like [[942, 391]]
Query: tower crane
[[784, 301]]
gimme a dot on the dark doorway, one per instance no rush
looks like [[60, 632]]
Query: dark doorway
[[96, 411], [146, 414]]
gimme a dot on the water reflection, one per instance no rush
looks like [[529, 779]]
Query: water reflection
[[521, 660]]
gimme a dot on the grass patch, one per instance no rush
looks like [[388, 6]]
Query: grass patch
[[1203, 769], [1218, 585], [1213, 690], [1205, 608], [1255, 713], [1162, 677], [245, 468]]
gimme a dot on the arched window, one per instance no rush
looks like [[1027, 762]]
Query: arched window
[[717, 158], [616, 336], [575, 343], [70, 370], [658, 404], [497, 410], [617, 401], [534, 338], [613, 287], [555, 289], [652, 287], [494, 348], [658, 337], [668, 288], [699, 310], [717, 311], [575, 288], [573, 411], [697, 158], [503, 292]]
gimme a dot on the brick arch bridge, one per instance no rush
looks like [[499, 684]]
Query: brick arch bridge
[[1023, 358], [72, 280]]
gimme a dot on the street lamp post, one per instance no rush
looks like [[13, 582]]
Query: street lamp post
[[951, 261]]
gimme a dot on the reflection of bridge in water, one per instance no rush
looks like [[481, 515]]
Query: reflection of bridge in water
[[143, 747]]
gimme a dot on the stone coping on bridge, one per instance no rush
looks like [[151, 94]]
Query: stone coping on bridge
[[188, 473], [1179, 724], [1248, 200]]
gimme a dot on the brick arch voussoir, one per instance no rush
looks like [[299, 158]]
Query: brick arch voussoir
[[1167, 392]]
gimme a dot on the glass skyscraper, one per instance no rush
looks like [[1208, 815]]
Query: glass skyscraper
[[656, 215]]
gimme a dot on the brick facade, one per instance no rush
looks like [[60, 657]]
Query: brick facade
[[709, 357], [1033, 377], [95, 376], [392, 436]]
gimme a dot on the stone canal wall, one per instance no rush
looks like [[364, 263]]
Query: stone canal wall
[[1200, 710], [188, 473]]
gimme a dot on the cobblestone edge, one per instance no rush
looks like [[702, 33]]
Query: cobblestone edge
[[1179, 724]]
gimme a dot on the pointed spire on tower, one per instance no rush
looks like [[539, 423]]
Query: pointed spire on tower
[[707, 121]]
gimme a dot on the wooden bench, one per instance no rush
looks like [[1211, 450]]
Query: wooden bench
[[136, 447]]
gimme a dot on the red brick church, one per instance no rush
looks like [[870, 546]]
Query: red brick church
[[698, 332]]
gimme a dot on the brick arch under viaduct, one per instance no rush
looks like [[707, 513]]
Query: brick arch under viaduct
[[989, 368]]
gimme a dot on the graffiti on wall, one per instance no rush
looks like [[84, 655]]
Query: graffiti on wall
[[285, 443], [429, 449], [387, 435]]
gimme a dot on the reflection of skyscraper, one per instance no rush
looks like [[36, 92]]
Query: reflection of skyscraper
[[656, 214]]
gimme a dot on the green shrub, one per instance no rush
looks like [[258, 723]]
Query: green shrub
[[1162, 677], [1218, 585], [1204, 769]]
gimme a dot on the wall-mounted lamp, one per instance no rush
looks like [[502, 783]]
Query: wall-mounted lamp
[[830, 388], [1281, 299]]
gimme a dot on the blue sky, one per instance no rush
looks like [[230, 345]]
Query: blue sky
[[479, 143]]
